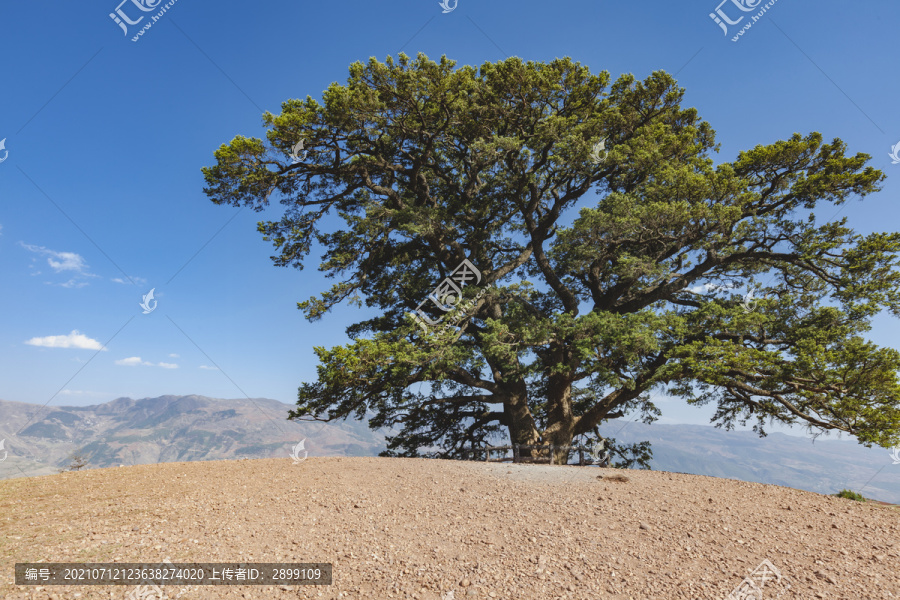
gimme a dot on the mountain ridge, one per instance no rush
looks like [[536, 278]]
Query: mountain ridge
[[193, 427]]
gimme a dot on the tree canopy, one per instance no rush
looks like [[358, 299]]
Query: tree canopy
[[613, 257]]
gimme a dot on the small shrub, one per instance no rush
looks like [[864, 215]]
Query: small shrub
[[851, 495], [78, 461]]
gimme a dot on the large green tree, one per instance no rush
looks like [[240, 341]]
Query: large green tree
[[613, 257]]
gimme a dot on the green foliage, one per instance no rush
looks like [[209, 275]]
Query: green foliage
[[851, 495], [590, 269], [631, 454]]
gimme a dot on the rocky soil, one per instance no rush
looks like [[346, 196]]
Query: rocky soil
[[449, 530]]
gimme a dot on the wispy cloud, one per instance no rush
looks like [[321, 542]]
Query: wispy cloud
[[63, 262], [137, 280], [72, 283], [73, 340], [135, 361], [131, 362], [173, 356], [208, 368], [60, 261]]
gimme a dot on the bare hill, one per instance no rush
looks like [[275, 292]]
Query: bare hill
[[433, 530]]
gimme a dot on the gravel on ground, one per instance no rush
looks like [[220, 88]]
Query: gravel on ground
[[452, 530]]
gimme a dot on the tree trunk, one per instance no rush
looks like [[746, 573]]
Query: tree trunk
[[520, 422], [561, 422]]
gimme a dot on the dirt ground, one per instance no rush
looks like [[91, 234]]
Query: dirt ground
[[450, 530]]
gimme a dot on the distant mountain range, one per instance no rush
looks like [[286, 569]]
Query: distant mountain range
[[40, 440], [167, 429], [825, 466]]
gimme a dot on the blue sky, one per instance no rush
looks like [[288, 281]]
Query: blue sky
[[106, 138]]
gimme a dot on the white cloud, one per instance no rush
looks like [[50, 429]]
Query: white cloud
[[60, 261], [134, 361], [209, 368], [68, 261], [72, 284], [73, 340], [63, 262], [173, 356], [138, 280], [131, 362]]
